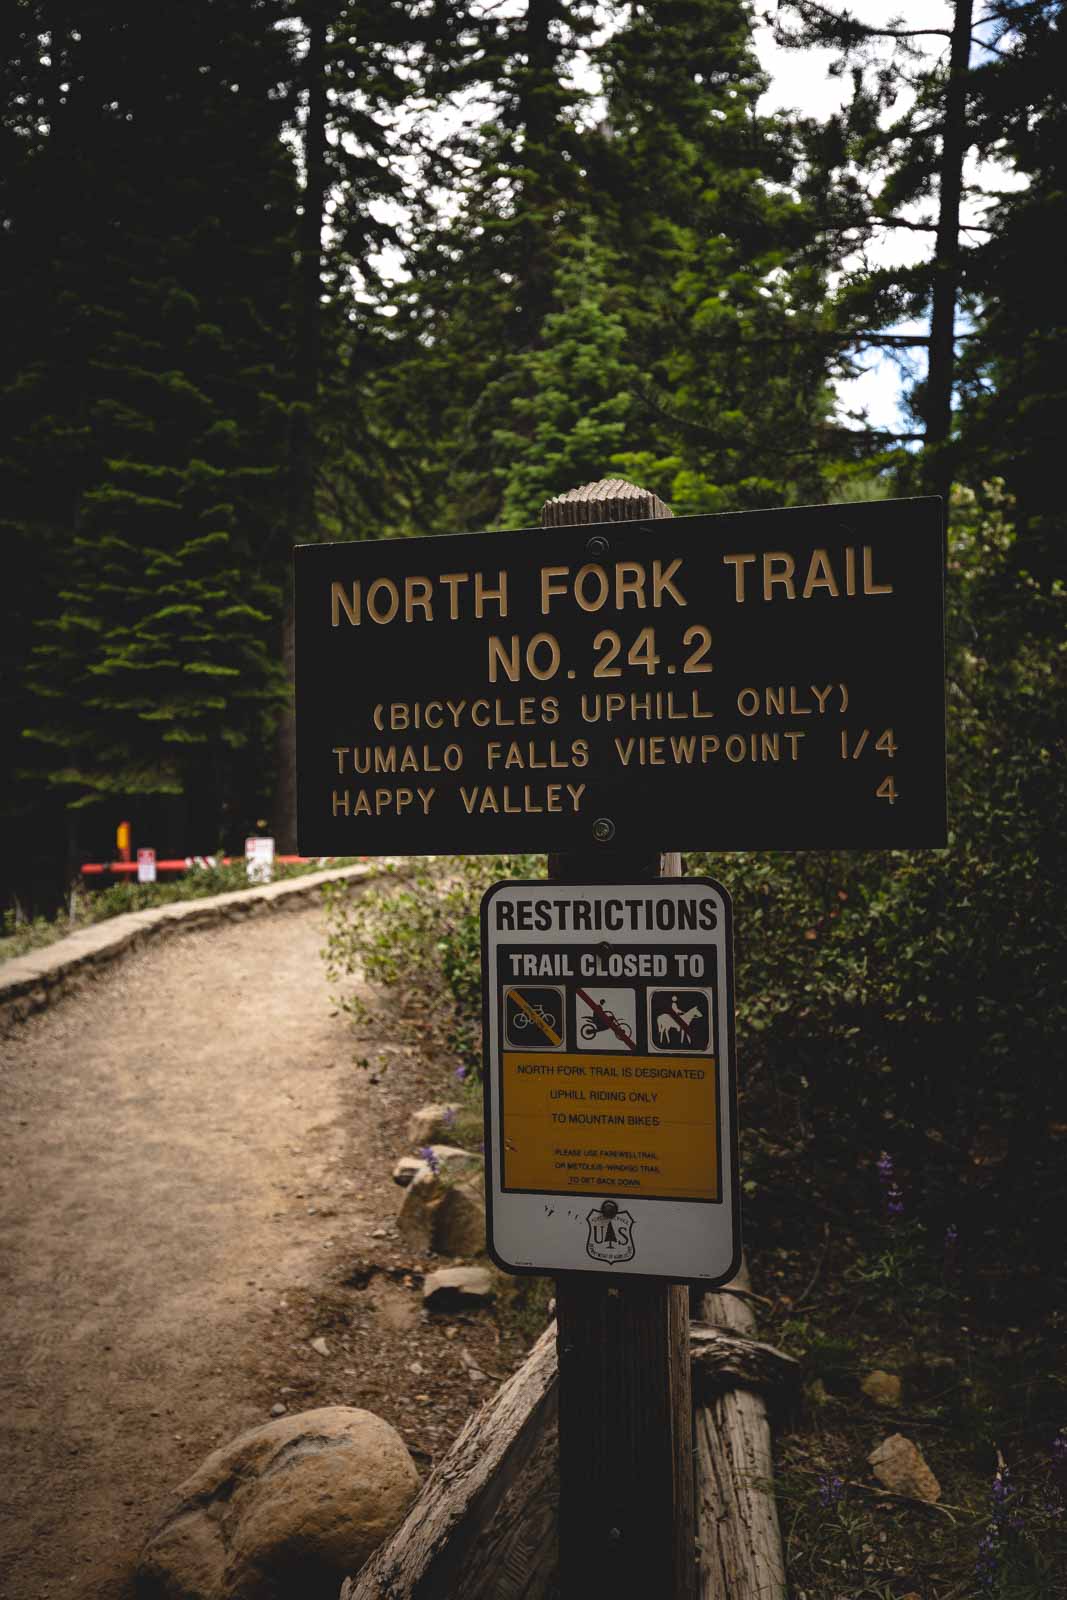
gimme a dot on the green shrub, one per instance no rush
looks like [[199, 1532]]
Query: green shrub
[[423, 936]]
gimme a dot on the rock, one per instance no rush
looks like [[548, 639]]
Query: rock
[[458, 1223], [450, 1155], [416, 1219], [320, 1347], [452, 1288], [278, 1410], [882, 1387], [408, 1167], [287, 1508], [430, 1122], [898, 1464]]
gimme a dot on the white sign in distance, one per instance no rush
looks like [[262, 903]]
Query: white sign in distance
[[146, 866], [610, 1104], [259, 859]]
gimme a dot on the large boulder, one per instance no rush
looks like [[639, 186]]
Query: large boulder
[[285, 1510], [430, 1122], [459, 1219]]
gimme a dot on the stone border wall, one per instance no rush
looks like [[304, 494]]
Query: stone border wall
[[31, 982]]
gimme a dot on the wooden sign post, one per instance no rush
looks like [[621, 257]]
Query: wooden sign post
[[626, 1514]]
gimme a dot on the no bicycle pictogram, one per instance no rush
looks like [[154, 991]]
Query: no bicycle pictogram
[[533, 1018]]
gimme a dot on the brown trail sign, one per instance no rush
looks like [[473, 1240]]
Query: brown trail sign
[[781, 671]]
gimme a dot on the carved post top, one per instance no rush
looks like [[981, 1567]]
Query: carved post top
[[608, 500]]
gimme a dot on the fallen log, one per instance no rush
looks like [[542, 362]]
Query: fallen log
[[485, 1522], [739, 1541], [485, 1525]]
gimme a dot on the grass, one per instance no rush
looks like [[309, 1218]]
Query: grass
[[88, 906]]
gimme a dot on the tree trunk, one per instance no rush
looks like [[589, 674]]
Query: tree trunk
[[740, 1544], [301, 519], [485, 1524], [937, 470]]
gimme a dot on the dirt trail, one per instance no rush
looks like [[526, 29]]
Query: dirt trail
[[187, 1153]]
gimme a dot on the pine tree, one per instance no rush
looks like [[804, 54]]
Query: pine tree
[[163, 206], [721, 265], [573, 412], [482, 276], [1014, 402]]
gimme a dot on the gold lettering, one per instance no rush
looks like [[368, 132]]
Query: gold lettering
[[634, 585], [739, 563], [426, 795], [453, 580], [769, 746], [390, 589], [748, 702], [775, 559], [797, 710], [869, 585], [340, 802], [576, 793], [820, 575], [550, 590], [417, 592], [661, 583], [794, 739], [499, 594], [340, 751], [850, 570], [821, 695], [509, 661], [339, 602], [590, 570], [532, 648]]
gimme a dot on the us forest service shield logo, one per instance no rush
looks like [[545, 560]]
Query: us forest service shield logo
[[611, 1234]]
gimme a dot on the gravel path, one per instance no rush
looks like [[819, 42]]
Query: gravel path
[[180, 1154]]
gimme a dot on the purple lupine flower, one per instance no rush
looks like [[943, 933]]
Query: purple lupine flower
[[950, 1250], [429, 1155], [894, 1199], [1004, 1519], [1059, 1452], [449, 1117], [831, 1489], [461, 1074]]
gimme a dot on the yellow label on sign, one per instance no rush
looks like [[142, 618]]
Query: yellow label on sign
[[629, 1125]]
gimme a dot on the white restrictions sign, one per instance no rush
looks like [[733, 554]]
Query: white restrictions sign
[[611, 1138]]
